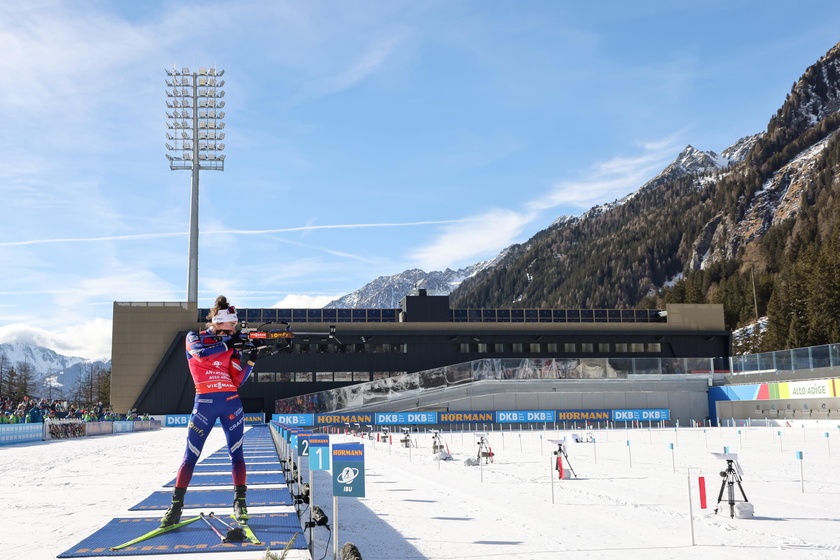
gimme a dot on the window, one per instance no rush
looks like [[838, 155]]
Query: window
[[326, 376], [654, 347], [498, 348], [552, 347], [621, 347], [535, 347], [587, 347], [381, 375], [464, 348], [265, 377], [569, 347], [303, 376], [343, 376], [516, 347], [603, 347], [482, 348], [637, 347]]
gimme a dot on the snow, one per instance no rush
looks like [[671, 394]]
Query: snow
[[628, 501]]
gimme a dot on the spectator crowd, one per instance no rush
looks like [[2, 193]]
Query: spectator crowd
[[32, 409]]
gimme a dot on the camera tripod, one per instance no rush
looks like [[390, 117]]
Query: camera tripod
[[484, 450], [730, 479], [561, 452]]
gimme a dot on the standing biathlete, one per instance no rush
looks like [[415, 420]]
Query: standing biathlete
[[215, 363]]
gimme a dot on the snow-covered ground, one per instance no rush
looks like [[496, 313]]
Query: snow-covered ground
[[630, 499]]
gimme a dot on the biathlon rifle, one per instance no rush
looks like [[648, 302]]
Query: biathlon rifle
[[279, 339]]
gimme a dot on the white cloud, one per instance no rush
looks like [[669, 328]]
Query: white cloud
[[472, 238], [90, 339], [611, 179], [481, 236]]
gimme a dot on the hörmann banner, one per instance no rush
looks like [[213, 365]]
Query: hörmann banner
[[331, 419], [466, 417], [585, 415]]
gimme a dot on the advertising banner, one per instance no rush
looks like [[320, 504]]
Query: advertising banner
[[520, 416], [584, 415], [652, 414], [331, 419], [385, 418], [294, 419], [466, 417]]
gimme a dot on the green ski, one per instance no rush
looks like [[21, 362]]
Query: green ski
[[249, 534], [156, 532]]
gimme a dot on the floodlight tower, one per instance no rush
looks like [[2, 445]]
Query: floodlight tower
[[194, 102]]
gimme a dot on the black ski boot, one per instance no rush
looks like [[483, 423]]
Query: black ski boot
[[173, 514], [240, 509]]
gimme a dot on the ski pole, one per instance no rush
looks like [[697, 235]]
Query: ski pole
[[234, 534], [221, 536]]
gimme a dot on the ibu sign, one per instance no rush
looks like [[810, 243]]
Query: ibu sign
[[348, 472]]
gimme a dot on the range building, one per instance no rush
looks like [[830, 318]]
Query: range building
[[150, 373]]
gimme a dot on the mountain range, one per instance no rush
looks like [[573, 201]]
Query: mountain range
[[753, 227], [53, 375]]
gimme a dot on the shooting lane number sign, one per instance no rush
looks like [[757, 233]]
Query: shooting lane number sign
[[348, 471], [319, 452]]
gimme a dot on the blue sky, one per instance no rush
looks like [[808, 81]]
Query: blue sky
[[363, 138]]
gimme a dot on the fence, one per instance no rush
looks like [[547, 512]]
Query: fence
[[69, 428]]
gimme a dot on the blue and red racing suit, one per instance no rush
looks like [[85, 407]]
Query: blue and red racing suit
[[217, 373]]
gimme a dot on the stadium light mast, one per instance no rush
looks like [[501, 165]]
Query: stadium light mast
[[194, 140]]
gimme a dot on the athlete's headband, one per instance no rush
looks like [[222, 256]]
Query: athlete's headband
[[226, 315]]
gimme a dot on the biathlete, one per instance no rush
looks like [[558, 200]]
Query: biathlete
[[215, 362]]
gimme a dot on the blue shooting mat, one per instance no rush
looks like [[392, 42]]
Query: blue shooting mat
[[225, 479], [274, 529], [249, 457], [225, 467], [204, 499]]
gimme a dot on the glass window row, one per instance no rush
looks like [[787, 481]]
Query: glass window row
[[566, 348], [322, 376], [556, 316], [455, 315]]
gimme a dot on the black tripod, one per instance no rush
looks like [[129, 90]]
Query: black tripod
[[484, 450], [730, 479], [561, 452]]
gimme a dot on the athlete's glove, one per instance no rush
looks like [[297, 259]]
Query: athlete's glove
[[236, 340], [258, 353]]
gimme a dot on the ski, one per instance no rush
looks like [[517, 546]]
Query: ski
[[249, 534], [156, 532]]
